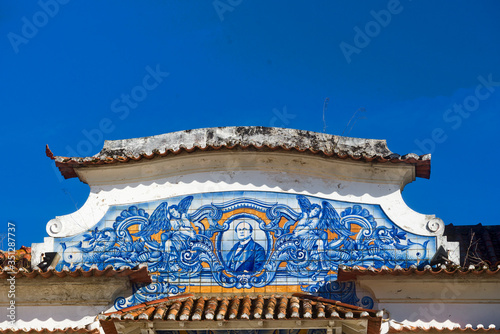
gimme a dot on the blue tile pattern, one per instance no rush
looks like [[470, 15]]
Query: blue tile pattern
[[345, 292], [243, 240]]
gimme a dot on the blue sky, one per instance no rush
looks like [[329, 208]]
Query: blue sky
[[72, 75]]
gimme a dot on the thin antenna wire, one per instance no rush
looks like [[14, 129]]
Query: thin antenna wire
[[355, 120], [2, 238], [71, 197], [66, 191], [325, 106]]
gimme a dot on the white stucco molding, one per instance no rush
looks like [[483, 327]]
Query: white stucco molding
[[81, 220]]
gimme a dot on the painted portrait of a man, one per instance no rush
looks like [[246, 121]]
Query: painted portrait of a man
[[246, 256]]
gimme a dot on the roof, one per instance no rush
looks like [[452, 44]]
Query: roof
[[240, 311], [253, 138], [23, 269], [139, 275], [351, 273], [478, 244], [43, 330], [22, 258], [190, 308]]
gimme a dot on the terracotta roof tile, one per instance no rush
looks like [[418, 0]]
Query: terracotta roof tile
[[223, 306], [259, 308], [22, 258], [210, 309], [346, 273], [190, 308], [282, 307], [241, 138], [139, 275]]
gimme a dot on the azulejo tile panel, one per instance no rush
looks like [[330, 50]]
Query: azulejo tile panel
[[243, 241]]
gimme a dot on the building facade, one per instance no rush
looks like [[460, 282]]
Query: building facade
[[252, 228]]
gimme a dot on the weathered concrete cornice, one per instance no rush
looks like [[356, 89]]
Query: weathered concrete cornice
[[65, 291], [245, 138]]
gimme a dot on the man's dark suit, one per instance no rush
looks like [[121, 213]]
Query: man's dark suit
[[249, 259]]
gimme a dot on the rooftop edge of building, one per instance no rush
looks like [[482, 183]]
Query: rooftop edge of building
[[242, 137]]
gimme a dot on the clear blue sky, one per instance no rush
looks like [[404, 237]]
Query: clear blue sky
[[427, 74]]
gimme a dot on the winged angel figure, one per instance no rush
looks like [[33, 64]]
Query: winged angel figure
[[171, 219], [313, 224], [177, 229]]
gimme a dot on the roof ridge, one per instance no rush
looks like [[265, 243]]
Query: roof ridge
[[246, 137]]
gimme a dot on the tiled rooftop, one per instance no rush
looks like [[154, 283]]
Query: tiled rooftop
[[139, 275], [55, 331], [190, 308], [478, 244], [350, 273], [22, 258], [252, 138]]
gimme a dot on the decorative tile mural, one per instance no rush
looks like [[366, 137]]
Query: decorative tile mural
[[244, 241]]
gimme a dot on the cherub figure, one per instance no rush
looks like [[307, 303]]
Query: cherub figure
[[180, 227], [309, 219], [177, 231], [313, 224], [307, 229]]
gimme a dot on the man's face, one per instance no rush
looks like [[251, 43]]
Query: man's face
[[243, 231]]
